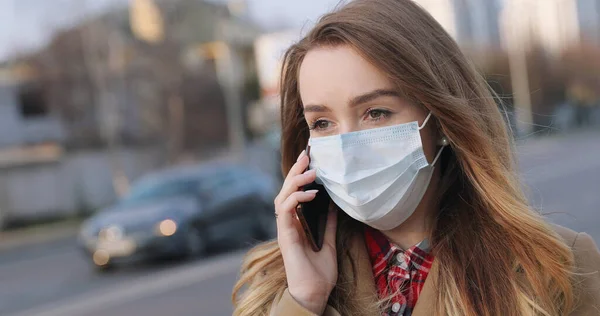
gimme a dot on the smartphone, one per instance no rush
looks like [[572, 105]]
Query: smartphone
[[313, 215]]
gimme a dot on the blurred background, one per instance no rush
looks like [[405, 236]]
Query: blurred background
[[139, 140]]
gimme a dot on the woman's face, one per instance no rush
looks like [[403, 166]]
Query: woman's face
[[342, 92]]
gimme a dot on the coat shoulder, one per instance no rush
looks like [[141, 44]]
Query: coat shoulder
[[587, 270], [568, 235], [583, 246]]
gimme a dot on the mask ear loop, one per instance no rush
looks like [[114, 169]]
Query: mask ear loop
[[438, 155], [425, 122], [443, 146]]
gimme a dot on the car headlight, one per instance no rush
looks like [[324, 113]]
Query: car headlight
[[166, 228]]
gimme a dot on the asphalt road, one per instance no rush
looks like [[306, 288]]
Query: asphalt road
[[562, 173]]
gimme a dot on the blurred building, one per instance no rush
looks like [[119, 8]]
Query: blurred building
[[97, 99], [100, 61], [25, 117], [554, 25], [588, 14], [472, 23], [490, 24], [523, 46], [549, 24], [539, 36], [40, 179]]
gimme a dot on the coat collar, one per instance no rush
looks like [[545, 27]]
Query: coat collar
[[366, 289]]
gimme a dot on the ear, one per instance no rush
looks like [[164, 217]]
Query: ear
[[443, 139]]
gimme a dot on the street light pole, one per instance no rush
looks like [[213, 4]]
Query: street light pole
[[519, 75], [229, 77], [229, 82]]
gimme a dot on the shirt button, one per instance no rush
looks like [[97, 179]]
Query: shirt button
[[400, 257], [396, 307]]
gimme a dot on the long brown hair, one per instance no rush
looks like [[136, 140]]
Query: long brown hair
[[496, 256]]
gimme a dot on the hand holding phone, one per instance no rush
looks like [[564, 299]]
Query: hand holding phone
[[313, 214], [310, 274]]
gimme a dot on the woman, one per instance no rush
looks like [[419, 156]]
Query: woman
[[428, 216]]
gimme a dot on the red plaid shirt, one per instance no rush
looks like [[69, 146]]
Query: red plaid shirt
[[398, 272]]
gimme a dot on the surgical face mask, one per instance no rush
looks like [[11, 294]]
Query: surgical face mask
[[377, 176]]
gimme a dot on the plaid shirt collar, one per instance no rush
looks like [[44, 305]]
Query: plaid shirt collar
[[398, 273]]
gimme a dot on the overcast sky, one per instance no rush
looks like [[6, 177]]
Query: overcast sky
[[26, 24]]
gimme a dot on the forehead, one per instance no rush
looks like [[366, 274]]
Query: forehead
[[329, 74]]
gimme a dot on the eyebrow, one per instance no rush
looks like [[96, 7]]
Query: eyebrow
[[316, 108], [356, 101], [373, 95]]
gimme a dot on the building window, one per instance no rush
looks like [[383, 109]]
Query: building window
[[32, 102]]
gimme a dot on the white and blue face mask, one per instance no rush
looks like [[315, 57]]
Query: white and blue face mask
[[377, 176]]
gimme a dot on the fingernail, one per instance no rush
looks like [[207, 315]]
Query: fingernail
[[311, 171], [312, 191], [301, 155]]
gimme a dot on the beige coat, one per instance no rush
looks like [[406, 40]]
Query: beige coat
[[587, 259]]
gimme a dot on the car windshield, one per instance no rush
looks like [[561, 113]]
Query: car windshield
[[160, 189]]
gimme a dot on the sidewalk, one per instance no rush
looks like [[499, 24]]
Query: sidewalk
[[38, 234]]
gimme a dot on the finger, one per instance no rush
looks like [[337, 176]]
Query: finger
[[286, 212], [295, 183], [330, 229], [299, 167], [287, 232]]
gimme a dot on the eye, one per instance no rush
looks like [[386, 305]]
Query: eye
[[319, 125], [377, 114]]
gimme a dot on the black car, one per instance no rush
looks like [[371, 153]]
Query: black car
[[182, 212]]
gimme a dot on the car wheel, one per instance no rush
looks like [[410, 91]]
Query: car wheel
[[195, 243]]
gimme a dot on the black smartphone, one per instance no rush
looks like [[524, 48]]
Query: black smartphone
[[313, 215]]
